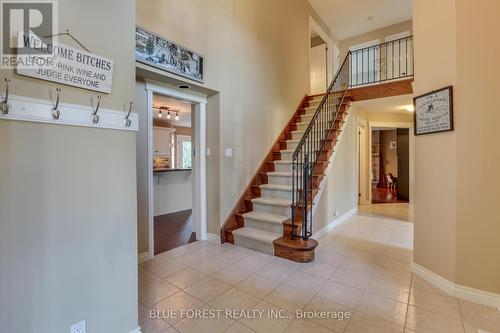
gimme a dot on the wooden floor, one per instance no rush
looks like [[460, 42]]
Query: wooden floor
[[173, 230], [385, 195]]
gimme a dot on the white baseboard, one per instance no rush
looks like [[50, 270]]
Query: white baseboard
[[142, 257], [335, 223], [456, 290], [213, 238], [137, 330]]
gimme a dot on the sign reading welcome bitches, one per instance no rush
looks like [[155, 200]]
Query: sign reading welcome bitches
[[64, 64]]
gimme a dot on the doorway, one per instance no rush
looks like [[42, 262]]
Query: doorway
[[177, 175], [323, 58], [172, 173], [390, 155]]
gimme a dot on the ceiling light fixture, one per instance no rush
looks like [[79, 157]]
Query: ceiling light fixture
[[183, 86], [160, 115], [410, 108], [177, 116], [168, 115]]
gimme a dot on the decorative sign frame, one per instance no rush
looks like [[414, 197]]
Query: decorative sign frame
[[434, 111], [157, 51]]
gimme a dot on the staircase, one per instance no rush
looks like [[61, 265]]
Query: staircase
[[274, 215]]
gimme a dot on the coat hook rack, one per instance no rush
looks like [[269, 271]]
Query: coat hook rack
[[55, 110], [4, 105], [95, 116], [128, 121]]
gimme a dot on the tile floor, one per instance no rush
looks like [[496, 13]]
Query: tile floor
[[362, 267]]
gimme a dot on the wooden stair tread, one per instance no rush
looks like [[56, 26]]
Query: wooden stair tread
[[297, 244]]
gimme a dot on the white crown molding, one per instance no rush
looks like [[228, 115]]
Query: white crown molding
[[30, 109], [456, 290]]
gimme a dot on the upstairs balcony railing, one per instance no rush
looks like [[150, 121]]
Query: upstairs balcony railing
[[382, 62], [375, 64]]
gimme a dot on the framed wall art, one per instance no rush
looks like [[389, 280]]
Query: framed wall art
[[434, 111], [154, 50]]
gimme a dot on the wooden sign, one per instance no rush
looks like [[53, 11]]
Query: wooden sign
[[434, 111]]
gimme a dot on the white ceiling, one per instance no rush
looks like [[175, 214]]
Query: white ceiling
[[184, 109], [349, 18], [395, 104]]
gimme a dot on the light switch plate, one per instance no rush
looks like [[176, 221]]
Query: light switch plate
[[229, 152], [80, 327], [208, 151]]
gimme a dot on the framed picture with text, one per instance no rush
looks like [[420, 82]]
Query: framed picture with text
[[434, 111]]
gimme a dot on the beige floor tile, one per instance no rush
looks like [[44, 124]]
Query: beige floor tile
[[361, 323], [176, 304], [319, 269], [153, 292], [163, 266], [231, 275], [339, 318], [288, 263], [238, 327], [341, 293], [419, 283], [351, 278], [396, 275], [257, 285], [269, 323], [480, 316], [288, 298], [378, 307], [275, 271], [251, 263], [389, 289], [305, 326], [329, 257], [204, 322], [151, 325], [207, 289], [439, 304], [186, 277], [210, 266], [423, 321], [146, 276], [234, 299], [305, 282], [230, 256], [191, 257], [357, 265]]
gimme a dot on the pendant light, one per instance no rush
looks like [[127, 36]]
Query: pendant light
[[168, 115], [160, 115], [177, 116]]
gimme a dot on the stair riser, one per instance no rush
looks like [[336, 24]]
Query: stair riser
[[252, 244], [270, 193], [286, 156], [303, 126], [275, 228], [283, 167], [272, 209], [293, 145], [279, 180]]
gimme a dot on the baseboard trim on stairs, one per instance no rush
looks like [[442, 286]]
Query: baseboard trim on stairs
[[142, 257], [137, 330], [333, 224], [213, 238], [462, 292]]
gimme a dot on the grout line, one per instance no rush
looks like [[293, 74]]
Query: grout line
[[461, 314], [408, 302]]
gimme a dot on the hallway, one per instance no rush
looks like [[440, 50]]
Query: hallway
[[362, 267]]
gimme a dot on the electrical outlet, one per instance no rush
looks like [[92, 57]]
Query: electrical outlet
[[80, 327], [336, 214]]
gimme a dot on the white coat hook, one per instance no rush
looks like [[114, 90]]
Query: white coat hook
[[128, 121], [55, 110], [95, 116], [4, 105]]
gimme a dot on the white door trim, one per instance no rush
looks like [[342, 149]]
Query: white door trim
[[314, 26], [199, 162], [409, 125]]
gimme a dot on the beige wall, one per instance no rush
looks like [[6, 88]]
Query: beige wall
[[68, 198], [340, 188], [257, 58], [456, 228], [376, 34]]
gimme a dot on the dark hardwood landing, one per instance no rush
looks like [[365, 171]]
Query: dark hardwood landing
[[173, 230], [387, 89], [385, 195]]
